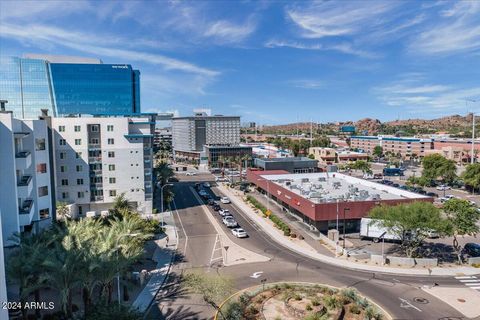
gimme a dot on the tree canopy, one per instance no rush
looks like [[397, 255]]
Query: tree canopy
[[471, 176], [436, 166]]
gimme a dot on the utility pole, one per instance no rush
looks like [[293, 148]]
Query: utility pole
[[311, 129], [472, 155]]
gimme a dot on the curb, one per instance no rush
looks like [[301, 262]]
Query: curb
[[338, 263], [387, 315]]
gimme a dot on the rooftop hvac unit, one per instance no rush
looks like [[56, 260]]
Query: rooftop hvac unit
[[353, 189], [322, 179], [315, 195], [363, 193], [287, 183], [375, 196], [305, 180]]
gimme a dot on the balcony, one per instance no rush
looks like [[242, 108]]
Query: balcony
[[26, 207], [23, 160], [24, 186]]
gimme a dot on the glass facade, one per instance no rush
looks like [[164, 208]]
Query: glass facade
[[95, 88], [25, 84], [68, 88]]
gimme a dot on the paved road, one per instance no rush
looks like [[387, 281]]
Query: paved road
[[387, 290]]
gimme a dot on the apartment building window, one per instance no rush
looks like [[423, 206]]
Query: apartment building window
[[112, 180], [77, 128], [111, 167], [62, 142], [109, 127], [64, 182], [79, 168], [42, 168], [44, 213], [61, 128], [95, 128], [80, 194], [95, 180], [63, 155], [97, 192], [113, 193], [78, 142], [110, 141], [78, 155], [39, 144], [43, 191], [94, 141], [63, 168], [79, 182], [65, 195], [111, 154]]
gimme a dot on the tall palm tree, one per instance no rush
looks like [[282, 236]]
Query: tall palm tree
[[62, 210], [243, 159], [221, 159]]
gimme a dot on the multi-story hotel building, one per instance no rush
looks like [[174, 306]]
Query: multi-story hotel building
[[191, 134], [26, 196], [68, 85], [97, 158], [405, 146]]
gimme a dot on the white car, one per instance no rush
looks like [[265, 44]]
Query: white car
[[206, 185], [225, 200], [202, 193], [443, 187], [431, 234], [190, 173], [239, 233], [224, 212], [230, 222]]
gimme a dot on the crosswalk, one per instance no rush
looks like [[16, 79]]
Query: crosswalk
[[470, 281]]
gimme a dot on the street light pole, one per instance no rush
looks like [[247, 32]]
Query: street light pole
[[161, 199], [118, 270], [344, 224]]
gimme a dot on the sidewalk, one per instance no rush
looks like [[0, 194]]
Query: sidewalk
[[163, 255], [340, 262]]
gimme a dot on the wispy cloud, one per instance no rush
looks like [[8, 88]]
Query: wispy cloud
[[418, 97], [343, 47], [227, 32], [458, 30], [41, 34], [307, 84], [328, 19]]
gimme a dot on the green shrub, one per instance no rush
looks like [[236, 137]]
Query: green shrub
[[350, 294], [252, 309], [315, 301], [233, 311], [372, 313], [244, 299], [331, 302], [355, 309], [297, 297], [308, 307]]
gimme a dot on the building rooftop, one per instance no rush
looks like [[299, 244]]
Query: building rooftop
[[326, 187], [62, 59]]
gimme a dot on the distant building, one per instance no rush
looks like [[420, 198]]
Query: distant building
[[98, 158], [327, 156], [68, 85], [291, 164], [320, 198], [347, 129], [191, 134], [26, 183], [406, 147], [214, 154]]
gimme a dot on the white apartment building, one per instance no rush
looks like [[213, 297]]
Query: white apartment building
[[25, 175], [3, 279], [191, 134], [98, 158]]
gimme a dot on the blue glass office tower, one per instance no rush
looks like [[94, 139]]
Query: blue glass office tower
[[68, 88]]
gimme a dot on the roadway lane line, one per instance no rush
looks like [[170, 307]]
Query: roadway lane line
[[181, 224], [466, 277], [475, 288], [471, 280]]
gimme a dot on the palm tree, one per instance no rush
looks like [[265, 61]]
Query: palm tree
[[221, 159], [63, 212], [243, 159], [120, 203], [22, 266], [164, 172]]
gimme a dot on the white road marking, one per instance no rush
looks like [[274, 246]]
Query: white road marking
[[472, 280], [181, 224], [256, 275], [472, 284], [407, 305], [475, 288], [466, 277]]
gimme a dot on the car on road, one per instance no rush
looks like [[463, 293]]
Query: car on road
[[239, 233], [432, 234], [220, 179], [211, 202], [216, 207], [443, 187], [206, 185], [225, 200], [190, 173], [230, 222], [432, 194], [472, 249], [224, 212]]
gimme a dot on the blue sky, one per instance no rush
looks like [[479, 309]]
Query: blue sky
[[271, 61]]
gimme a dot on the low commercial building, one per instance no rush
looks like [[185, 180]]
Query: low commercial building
[[292, 164], [26, 183], [327, 156], [406, 147], [97, 158], [324, 199], [214, 155]]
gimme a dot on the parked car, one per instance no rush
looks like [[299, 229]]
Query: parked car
[[404, 187], [396, 185], [443, 187], [190, 173], [211, 202], [230, 222], [197, 186], [432, 234], [225, 200], [206, 185], [216, 207], [421, 191], [378, 176], [239, 233], [472, 249], [432, 194], [224, 212], [473, 203]]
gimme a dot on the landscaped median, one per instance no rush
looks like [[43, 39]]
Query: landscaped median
[[275, 219], [298, 300]]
